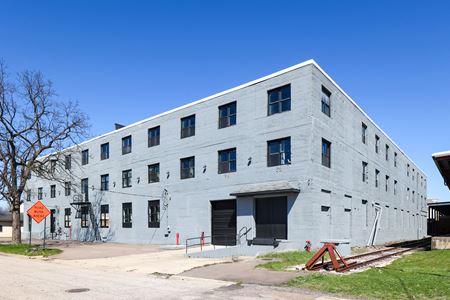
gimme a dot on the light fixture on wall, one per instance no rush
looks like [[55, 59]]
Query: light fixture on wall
[[114, 184], [168, 174], [204, 168], [249, 161], [138, 179]]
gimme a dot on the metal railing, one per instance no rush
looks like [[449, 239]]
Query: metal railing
[[230, 240]]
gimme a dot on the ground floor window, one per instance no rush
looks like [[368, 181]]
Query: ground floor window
[[127, 215], [104, 216], [67, 213], [153, 214], [84, 216]]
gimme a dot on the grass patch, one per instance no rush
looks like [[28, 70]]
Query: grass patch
[[420, 275], [25, 249], [282, 260]]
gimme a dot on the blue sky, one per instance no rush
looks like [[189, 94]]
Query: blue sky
[[128, 60]]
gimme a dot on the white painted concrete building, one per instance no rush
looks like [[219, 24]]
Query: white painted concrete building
[[289, 156]]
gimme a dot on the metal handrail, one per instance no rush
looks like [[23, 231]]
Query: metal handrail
[[239, 236], [211, 237]]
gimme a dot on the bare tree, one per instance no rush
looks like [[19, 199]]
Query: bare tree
[[34, 129]]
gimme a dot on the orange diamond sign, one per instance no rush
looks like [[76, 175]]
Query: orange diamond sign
[[38, 212]]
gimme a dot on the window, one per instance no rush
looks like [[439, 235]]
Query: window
[[413, 174], [377, 178], [326, 95], [39, 193], [126, 145], [365, 168], [387, 152], [188, 126], [28, 195], [67, 213], [377, 143], [153, 214], [84, 216], [227, 115], [52, 191], [104, 182], [68, 162], [407, 194], [395, 159], [104, 151], [67, 188], [187, 167], [363, 133], [126, 178], [127, 215], [279, 100], [407, 170], [395, 187], [326, 153], [104, 216], [227, 161], [153, 136], [52, 166], [85, 157], [279, 152], [153, 173], [387, 183], [85, 188]]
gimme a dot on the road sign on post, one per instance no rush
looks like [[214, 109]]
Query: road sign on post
[[39, 212]]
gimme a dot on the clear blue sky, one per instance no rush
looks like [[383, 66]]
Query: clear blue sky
[[128, 60]]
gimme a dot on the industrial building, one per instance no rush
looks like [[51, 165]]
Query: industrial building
[[439, 212], [287, 157]]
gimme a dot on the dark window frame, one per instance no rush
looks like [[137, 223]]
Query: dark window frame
[[154, 214], [279, 100], [68, 162], [127, 177], [377, 178], [154, 135], [326, 157], [85, 157], [187, 173], [53, 191], [365, 171], [326, 104], [67, 220], [228, 118], [39, 194], [153, 176], [104, 151], [127, 144], [280, 161], [84, 216], [104, 182], [85, 188], [187, 126], [229, 165], [363, 133], [377, 144], [104, 216], [387, 152], [67, 188], [127, 215]]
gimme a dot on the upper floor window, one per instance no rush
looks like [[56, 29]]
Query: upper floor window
[[126, 144], [153, 214], [39, 195], [28, 195], [126, 178], [413, 174], [188, 126], [104, 216], [279, 100], [407, 170], [53, 191], [227, 161], [67, 188], [52, 166], [363, 132], [227, 115], [377, 177], [395, 159], [127, 214], [68, 162], [104, 182], [365, 171], [377, 143], [104, 151], [279, 152], [326, 95], [187, 167], [387, 183], [85, 188], [153, 136], [153, 173], [395, 187], [85, 157], [387, 152], [326, 153]]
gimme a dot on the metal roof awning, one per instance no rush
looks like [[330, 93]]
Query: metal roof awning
[[442, 161], [442, 207], [266, 188]]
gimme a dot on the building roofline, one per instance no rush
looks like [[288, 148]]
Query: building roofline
[[250, 83], [440, 154]]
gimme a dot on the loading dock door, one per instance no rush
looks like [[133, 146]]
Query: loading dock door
[[223, 222], [271, 218]]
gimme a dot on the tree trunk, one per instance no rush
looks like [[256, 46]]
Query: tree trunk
[[16, 228]]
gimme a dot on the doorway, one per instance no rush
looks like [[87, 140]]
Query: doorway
[[271, 218], [223, 222]]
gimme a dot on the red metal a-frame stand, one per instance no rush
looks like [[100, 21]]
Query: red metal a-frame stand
[[338, 265]]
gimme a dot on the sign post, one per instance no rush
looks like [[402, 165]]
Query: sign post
[[39, 212]]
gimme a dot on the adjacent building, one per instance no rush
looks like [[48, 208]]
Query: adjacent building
[[289, 156]]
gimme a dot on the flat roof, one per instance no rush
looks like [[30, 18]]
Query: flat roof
[[250, 83], [443, 207], [442, 161]]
